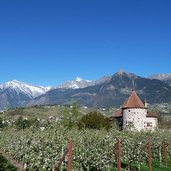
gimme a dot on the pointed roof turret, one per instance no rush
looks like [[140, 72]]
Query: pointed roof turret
[[133, 102]]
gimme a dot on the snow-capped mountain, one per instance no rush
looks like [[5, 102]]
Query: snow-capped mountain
[[80, 83], [15, 93], [30, 90], [109, 91], [105, 92], [162, 77], [75, 84]]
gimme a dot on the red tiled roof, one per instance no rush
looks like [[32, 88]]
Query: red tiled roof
[[152, 114], [118, 113], [133, 102]]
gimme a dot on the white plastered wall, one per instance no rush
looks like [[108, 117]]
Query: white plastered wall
[[134, 118]]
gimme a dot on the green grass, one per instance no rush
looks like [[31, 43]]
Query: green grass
[[5, 165], [156, 166], [43, 112]]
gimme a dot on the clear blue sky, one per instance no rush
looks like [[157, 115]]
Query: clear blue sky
[[46, 42]]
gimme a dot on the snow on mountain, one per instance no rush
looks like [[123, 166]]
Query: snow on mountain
[[30, 90], [78, 79], [80, 83], [75, 84]]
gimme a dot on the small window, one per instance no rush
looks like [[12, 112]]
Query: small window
[[149, 124]]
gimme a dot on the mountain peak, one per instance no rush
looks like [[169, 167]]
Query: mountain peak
[[123, 80], [78, 79], [15, 81], [12, 84], [120, 72], [18, 86], [75, 84]]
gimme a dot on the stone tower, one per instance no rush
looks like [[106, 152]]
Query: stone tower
[[135, 116]]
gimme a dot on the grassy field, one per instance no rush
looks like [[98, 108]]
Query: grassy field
[[43, 112]]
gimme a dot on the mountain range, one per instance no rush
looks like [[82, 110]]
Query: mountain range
[[162, 77], [108, 91], [77, 83], [16, 93]]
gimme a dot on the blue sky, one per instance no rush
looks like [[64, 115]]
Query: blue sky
[[46, 42]]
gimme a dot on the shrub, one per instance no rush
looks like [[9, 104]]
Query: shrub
[[94, 120], [1, 123], [23, 123]]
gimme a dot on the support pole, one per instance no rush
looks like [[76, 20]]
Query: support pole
[[69, 154], [149, 155], [165, 154], [119, 154]]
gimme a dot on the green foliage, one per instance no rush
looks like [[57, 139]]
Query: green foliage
[[164, 122], [91, 148], [70, 118], [75, 110], [23, 123], [17, 111], [1, 124], [65, 117], [156, 166], [94, 120], [67, 121], [5, 165]]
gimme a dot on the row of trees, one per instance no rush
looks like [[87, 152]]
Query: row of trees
[[92, 120]]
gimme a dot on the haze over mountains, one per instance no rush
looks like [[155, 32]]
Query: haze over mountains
[[109, 91]]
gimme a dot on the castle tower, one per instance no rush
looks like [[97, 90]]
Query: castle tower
[[133, 115]]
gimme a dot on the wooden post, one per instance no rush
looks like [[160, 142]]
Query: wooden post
[[69, 154], [149, 155], [119, 154], [59, 162], [165, 154]]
